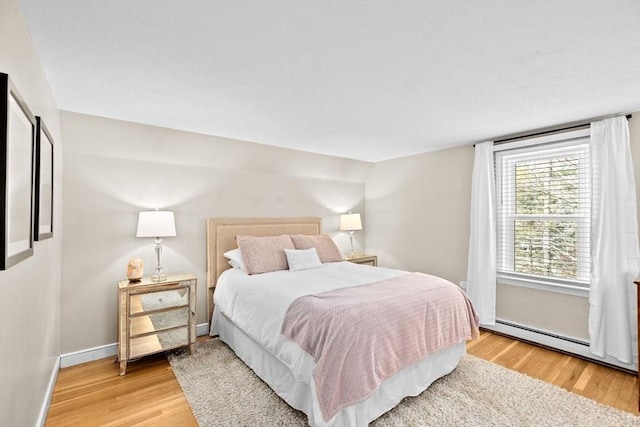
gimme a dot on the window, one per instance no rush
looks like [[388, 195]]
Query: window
[[543, 194]]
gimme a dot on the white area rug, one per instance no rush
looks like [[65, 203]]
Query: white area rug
[[223, 391]]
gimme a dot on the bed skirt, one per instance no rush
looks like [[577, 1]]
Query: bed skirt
[[301, 395]]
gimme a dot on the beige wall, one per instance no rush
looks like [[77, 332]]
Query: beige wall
[[30, 290], [418, 212], [418, 219], [567, 315], [114, 169]]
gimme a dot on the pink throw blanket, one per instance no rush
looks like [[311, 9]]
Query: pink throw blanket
[[362, 335]]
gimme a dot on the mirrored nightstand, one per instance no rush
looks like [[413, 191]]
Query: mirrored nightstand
[[155, 316], [363, 259]]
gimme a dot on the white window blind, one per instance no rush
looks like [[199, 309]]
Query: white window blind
[[543, 194]]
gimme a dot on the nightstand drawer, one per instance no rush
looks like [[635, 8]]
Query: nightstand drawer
[[159, 341], [159, 321], [148, 302]]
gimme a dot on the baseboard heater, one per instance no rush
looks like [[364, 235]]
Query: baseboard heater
[[538, 331], [556, 342]]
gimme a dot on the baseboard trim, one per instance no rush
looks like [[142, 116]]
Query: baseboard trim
[[202, 329], [557, 343], [44, 409], [88, 355], [107, 350]]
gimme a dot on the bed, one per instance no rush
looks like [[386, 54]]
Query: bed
[[257, 338]]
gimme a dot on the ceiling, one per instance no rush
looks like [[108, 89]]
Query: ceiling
[[367, 80]]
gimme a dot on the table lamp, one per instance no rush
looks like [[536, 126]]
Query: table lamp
[[350, 222], [156, 224]]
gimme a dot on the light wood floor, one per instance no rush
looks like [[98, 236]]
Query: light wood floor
[[600, 383], [94, 394]]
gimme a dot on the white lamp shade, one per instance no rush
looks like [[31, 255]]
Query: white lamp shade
[[350, 222], [156, 224]]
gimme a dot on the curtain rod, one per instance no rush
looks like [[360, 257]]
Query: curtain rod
[[550, 130]]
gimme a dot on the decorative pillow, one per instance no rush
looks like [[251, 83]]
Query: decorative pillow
[[235, 258], [302, 259], [264, 254], [325, 246]]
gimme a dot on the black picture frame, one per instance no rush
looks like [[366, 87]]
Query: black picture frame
[[43, 203], [17, 143]]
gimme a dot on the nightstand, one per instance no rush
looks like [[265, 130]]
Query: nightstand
[[363, 259], [637, 282], [155, 316]]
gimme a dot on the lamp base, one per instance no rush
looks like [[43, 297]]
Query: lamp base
[[158, 277], [352, 253]]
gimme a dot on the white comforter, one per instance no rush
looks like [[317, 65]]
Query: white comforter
[[258, 303]]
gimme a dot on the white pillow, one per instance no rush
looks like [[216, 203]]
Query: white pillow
[[302, 259], [235, 258]]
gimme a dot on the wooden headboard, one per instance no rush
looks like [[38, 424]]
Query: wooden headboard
[[221, 237]]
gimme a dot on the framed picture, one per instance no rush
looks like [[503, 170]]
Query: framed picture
[[17, 138], [43, 203]]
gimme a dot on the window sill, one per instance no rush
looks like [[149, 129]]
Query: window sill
[[543, 286]]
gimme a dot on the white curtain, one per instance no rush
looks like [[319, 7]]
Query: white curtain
[[615, 258], [481, 273]]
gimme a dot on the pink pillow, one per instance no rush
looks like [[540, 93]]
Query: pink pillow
[[325, 246], [264, 254]]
